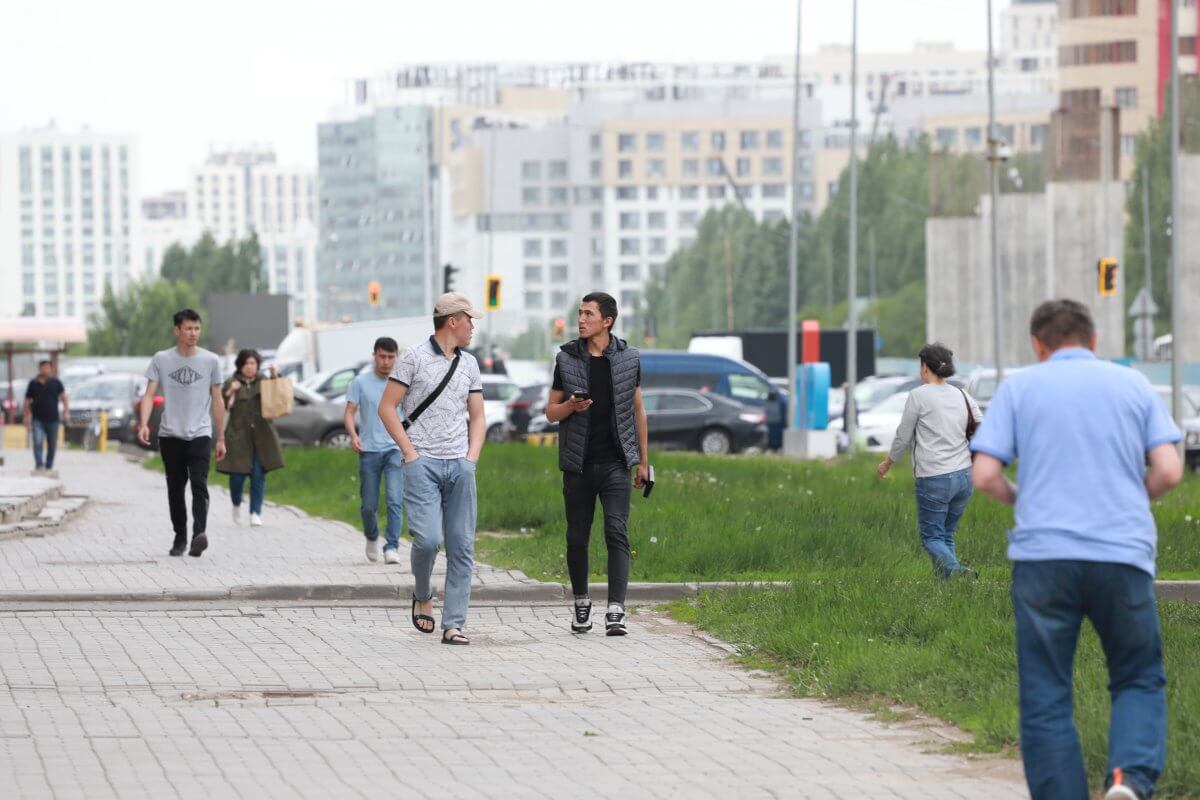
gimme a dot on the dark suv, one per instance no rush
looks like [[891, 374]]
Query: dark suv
[[118, 393]]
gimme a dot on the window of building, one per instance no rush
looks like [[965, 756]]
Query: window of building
[[749, 140], [655, 142], [531, 196], [558, 274], [775, 140], [691, 168], [1070, 9], [947, 137], [597, 220], [772, 165], [531, 170], [690, 140], [1080, 98], [656, 246], [773, 190], [533, 273], [973, 137], [1038, 134], [629, 299], [691, 192], [743, 167], [1128, 144], [597, 246], [596, 169], [629, 220], [533, 300], [558, 170], [1078, 55], [712, 167], [558, 248], [631, 272], [717, 140], [656, 220], [594, 142], [631, 247], [716, 192], [558, 299], [557, 195], [651, 192], [1126, 96], [626, 142], [532, 248], [625, 168], [687, 219], [656, 168], [627, 193]]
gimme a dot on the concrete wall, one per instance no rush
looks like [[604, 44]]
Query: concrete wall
[[1049, 245]]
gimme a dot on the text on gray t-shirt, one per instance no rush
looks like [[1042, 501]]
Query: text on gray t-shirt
[[187, 383]]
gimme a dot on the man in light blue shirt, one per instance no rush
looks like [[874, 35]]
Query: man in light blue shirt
[[1082, 431], [379, 457]]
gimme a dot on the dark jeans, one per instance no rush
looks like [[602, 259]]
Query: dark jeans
[[614, 486], [44, 433], [941, 501], [187, 460], [1050, 599], [258, 485]]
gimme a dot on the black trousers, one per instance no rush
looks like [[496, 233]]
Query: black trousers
[[612, 484], [187, 460]]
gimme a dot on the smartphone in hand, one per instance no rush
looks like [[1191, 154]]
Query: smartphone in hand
[[649, 482], [581, 395]]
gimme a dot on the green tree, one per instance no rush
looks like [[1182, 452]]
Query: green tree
[[209, 267], [137, 322]]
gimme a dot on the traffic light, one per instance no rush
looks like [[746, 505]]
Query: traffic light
[[448, 278], [373, 292], [1106, 276], [491, 293], [560, 326]]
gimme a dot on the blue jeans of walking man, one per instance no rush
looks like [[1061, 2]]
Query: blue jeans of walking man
[[941, 501], [439, 495], [45, 434], [386, 468], [1050, 599], [258, 486]]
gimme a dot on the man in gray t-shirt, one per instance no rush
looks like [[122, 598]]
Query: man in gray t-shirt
[[190, 377]]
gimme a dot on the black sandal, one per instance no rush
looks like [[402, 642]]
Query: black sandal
[[455, 638], [419, 618]]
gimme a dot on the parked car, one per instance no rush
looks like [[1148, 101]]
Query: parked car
[[981, 384], [528, 403], [498, 392], [689, 420], [876, 429], [720, 375], [118, 393], [335, 382], [313, 421]]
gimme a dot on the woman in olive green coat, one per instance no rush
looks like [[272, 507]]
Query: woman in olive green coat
[[252, 445]]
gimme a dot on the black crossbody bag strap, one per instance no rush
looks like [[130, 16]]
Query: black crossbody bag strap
[[428, 401]]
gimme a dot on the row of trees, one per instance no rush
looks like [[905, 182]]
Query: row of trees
[[136, 322]]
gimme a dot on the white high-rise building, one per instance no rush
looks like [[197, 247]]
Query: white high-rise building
[[237, 192], [165, 222], [1028, 43], [70, 220]]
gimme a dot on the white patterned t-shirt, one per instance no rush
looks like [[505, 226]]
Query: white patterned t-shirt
[[441, 431], [187, 383]]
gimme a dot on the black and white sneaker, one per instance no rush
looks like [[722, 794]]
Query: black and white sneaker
[[614, 620], [583, 617]]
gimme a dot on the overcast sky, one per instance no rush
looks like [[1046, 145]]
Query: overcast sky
[[182, 75]]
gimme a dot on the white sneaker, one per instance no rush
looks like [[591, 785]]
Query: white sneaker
[[391, 556], [614, 620], [372, 549], [237, 515], [256, 520]]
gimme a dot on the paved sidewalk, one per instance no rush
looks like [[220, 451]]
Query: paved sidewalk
[[120, 542], [217, 701]]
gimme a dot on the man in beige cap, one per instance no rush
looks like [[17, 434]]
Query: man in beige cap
[[439, 386]]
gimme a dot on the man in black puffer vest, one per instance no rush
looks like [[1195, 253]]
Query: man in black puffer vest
[[597, 399]]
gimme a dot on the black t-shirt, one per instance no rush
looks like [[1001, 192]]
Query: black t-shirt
[[45, 398], [603, 443]]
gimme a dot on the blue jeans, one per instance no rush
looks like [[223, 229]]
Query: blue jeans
[[386, 467], [258, 486], [941, 501], [44, 433], [439, 495], [1050, 600]]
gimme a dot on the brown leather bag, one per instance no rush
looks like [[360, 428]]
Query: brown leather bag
[[972, 425]]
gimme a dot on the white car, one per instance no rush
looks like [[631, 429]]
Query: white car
[[876, 429], [498, 392]]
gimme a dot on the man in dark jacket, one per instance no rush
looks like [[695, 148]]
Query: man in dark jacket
[[597, 398]]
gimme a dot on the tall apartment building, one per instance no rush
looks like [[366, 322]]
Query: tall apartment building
[[1117, 53], [376, 189], [70, 220], [1029, 41], [239, 191], [165, 222]]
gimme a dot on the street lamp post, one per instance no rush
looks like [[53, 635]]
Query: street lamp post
[[1176, 227], [794, 235], [994, 169], [852, 279]]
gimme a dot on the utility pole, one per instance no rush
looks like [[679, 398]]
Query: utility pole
[[994, 163], [1176, 289], [851, 416], [829, 276], [794, 237], [872, 276], [728, 282]]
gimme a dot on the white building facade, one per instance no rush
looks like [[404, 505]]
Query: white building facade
[[70, 220]]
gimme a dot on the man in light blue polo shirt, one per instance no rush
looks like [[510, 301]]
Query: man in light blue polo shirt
[[1082, 431], [379, 458]]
